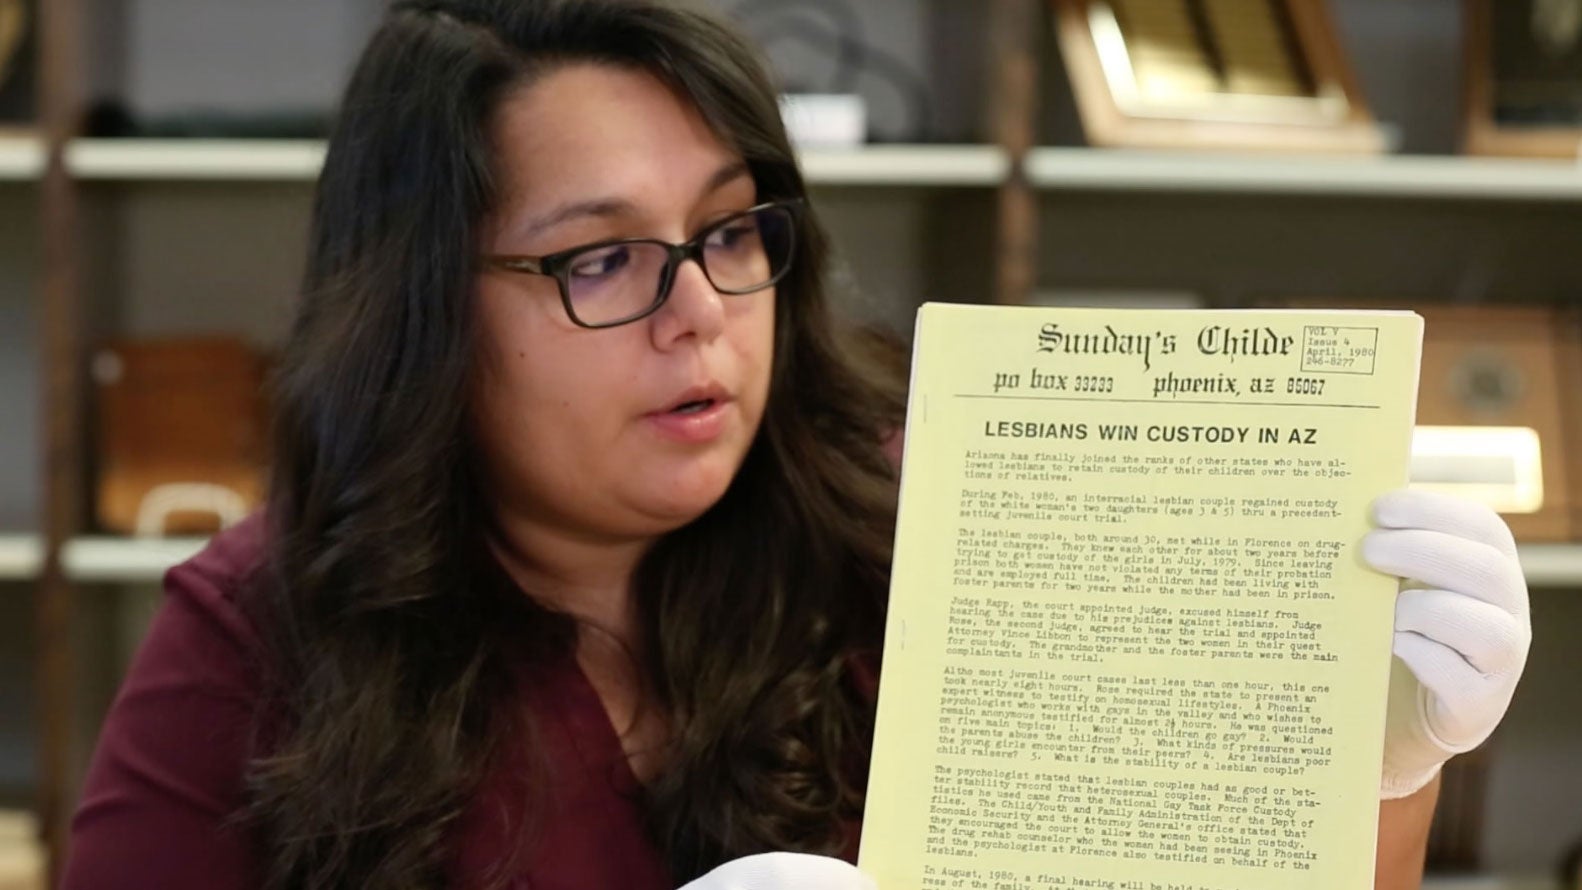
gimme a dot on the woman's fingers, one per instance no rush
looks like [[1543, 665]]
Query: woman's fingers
[[1484, 635], [1455, 516], [1464, 705], [1447, 562]]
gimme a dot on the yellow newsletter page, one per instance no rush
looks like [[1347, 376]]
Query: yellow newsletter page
[[1131, 642]]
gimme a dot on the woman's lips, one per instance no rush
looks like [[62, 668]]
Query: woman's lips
[[694, 422]]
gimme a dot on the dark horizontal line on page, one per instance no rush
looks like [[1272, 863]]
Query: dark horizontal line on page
[[1164, 402]]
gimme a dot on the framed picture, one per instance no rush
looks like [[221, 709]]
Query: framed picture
[[1492, 374], [1229, 74], [1497, 412], [1524, 78]]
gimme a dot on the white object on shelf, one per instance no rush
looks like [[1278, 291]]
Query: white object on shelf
[[21, 556], [1500, 466], [187, 497], [238, 159], [1400, 176], [21, 157], [825, 120], [126, 559]]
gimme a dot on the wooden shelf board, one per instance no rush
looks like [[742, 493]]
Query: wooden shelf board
[[918, 166], [106, 558], [21, 157], [196, 159], [1393, 176], [1552, 565], [908, 165], [129, 560], [301, 160], [21, 556]]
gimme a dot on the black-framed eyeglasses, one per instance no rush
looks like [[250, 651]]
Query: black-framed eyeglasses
[[614, 282]]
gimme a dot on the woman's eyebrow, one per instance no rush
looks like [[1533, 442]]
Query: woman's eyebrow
[[611, 206], [597, 207], [726, 175]]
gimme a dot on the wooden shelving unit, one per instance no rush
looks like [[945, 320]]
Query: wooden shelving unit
[[1006, 183]]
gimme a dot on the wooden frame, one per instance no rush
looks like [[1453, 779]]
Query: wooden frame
[[1334, 119], [1484, 135]]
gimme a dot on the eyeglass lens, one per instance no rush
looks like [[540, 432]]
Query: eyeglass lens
[[740, 254]]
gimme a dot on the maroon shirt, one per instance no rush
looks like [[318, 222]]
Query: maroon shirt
[[167, 777]]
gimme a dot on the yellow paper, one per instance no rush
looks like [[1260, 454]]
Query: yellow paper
[[1131, 642]]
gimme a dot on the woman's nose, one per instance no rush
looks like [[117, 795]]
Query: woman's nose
[[693, 309]]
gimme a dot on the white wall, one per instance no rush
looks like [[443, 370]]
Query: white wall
[[237, 55]]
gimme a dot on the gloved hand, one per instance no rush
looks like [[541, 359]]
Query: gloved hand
[[784, 871], [1461, 629]]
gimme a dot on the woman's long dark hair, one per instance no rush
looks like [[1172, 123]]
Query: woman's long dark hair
[[384, 621]]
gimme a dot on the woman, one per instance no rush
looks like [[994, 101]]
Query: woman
[[574, 565]]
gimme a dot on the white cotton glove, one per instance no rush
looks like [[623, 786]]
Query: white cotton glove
[[1461, 629], [784, 871]]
